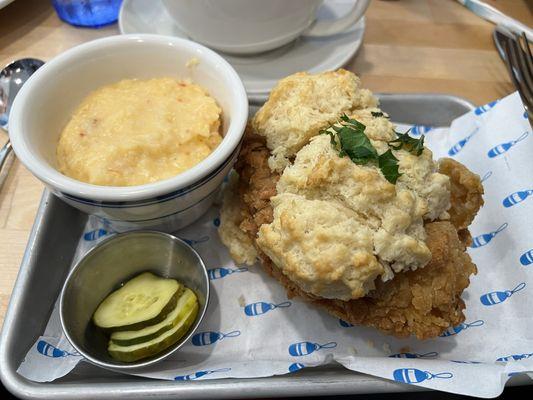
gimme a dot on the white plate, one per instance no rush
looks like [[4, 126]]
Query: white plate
[[259, 72]]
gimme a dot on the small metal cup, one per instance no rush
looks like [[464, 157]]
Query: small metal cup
[[109, 265]]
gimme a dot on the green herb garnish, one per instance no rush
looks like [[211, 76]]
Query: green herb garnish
[[353, 142], [388, 164], [411, 144]]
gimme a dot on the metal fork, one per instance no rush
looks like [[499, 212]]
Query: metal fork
[[516, 52]]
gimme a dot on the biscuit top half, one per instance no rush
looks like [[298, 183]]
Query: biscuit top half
[[338, 225]]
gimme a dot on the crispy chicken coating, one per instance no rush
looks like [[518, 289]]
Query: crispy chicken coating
[[424, 302]]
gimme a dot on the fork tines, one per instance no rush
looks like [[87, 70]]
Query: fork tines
[[520, 64]]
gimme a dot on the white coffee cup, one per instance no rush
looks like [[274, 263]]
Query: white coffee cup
[[253, 26]]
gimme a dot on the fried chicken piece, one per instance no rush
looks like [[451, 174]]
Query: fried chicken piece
[[466, 191], [424, 302], [241, 246], [257, 182]]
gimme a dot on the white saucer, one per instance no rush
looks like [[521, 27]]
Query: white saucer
[[259, 72], [4, 3]]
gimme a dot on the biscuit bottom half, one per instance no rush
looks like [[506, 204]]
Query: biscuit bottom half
[[424, 302]]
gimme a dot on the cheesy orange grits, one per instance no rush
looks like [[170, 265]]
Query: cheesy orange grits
[[135, 132]]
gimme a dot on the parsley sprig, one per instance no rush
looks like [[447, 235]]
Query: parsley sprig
[[411, 144], [349, 138], [353, 141], [388, 164]]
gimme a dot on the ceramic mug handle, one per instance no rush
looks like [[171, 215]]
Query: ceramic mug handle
[[326, 28]]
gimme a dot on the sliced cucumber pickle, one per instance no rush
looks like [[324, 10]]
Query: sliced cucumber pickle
[[143, 301], [185, 303], [152, 347]]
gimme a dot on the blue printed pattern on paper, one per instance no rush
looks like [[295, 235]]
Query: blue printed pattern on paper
[[295, 367], [483, 109], [457, 147], [48, 350], [417, 130], [260, 308], [486, 176], [95, 234], [516, 197], [218, 273], [306, 348], [461, 327], [199, 374], [515, 357], [505, 147], [484, 239], [413, 375], [527, 258], [493, 298], [207, 338], [465, 362]]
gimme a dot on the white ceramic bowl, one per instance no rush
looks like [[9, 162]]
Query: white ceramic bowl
[[45, 103]]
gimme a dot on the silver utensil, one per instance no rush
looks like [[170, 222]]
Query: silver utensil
[[499, 39], [12, 77], [516, 52], [492, 14]]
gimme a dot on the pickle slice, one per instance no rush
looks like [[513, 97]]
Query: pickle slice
[[147, 349], [144, 300], [184, 305]]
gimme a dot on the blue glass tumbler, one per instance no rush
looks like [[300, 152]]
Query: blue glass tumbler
[[87, 13]]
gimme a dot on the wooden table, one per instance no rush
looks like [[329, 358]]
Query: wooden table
[[409, 46]]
